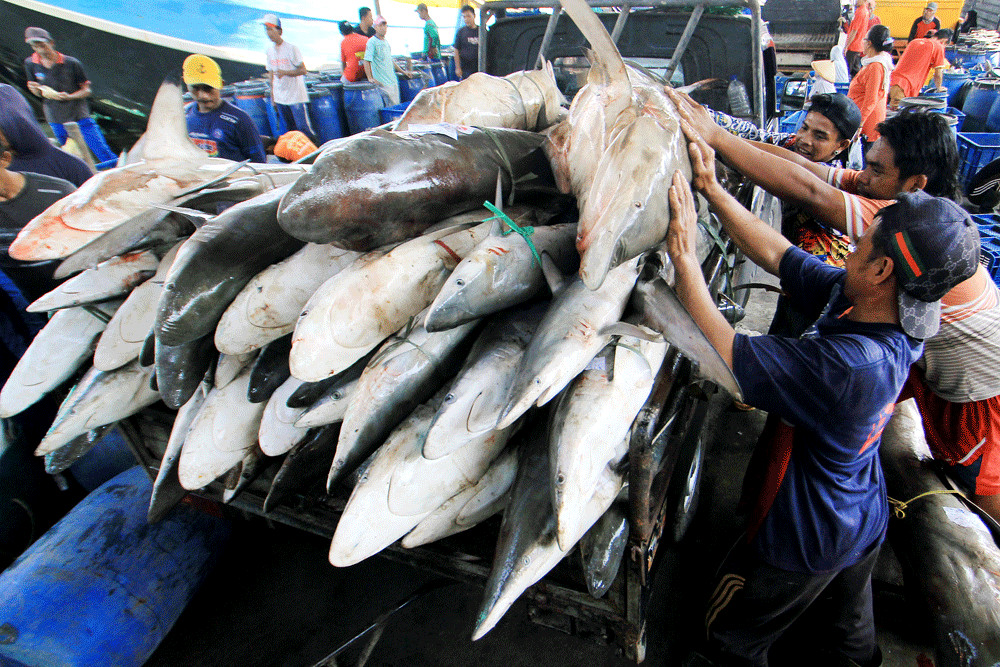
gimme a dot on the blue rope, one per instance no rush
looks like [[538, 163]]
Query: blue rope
[[524, 232]]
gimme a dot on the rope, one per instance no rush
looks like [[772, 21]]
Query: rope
[[524, 232], [899, 507]]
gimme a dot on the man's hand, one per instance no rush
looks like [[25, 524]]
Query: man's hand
[[35, 87], [62, 97], [702, 159], [681, 234], [697, 116]]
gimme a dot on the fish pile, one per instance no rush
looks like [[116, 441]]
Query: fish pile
[[366, 322]]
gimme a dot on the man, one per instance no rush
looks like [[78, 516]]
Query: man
[[821, 514], [432, 41], [925, 23], [380, 68], [922, 56], [32, 149], [61, 81], [366, 26], [352, 48], [216, 126], [467, 44], [286, 73], [22, 197], [957, 382], [857, 29]]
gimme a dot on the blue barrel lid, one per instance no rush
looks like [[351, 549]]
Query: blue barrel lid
[[359, 85], [987, 82], [330, 85]]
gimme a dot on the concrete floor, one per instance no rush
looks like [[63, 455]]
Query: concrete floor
[[274, 600]]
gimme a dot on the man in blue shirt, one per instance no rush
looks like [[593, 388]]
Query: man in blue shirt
[[216, 126], [820, 514]]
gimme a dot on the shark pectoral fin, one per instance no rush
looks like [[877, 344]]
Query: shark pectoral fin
[[553, 276], [197, 218], [634, 330]]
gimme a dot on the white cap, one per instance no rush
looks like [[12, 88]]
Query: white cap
[[271, 19]]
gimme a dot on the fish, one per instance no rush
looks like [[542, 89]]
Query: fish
[[501, 272], [122, 340], [478, 394], [278, 431], [216, 263], [602, 549], [61, 459], [99, 398], [167, 489], [592, 419], [268, 307], [270, 369], [61, 348], [167, 164], [406, 371], [221, 435], [527, 548], [160, 225], [310, 392], [528, 100], [400, 488], [109, 280], [378, 188], [180, 369], [332, 405], [619, 147], [365, 303], [468, 507], [949, 558], [244, 473], [304, 466], [230, 366], [567, 339]]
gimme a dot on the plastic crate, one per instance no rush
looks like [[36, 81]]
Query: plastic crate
[[975, 151], [989, 225], [989, 256], [790, 122]]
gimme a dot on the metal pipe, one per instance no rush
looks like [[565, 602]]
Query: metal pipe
[[550, 31], [683, 42], [620, 23]]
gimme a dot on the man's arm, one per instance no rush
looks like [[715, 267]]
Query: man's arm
[[913, 29], [689, 282], [822, 171], [368, 70], [786, 180], [764, 245], [939, 79]]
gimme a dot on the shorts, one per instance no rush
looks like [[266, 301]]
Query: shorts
[[961, 435]]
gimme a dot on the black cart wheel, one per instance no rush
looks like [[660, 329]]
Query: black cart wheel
[[685, 487]]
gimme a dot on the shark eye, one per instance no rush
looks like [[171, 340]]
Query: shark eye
[[637, 204], [460, 282], [450, 398]]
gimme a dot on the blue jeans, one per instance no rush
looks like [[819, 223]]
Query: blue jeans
[[91, 135], [296, 117]]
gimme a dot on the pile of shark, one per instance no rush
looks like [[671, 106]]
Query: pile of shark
[[454, 317]]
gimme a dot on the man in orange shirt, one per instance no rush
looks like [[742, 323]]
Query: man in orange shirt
[[352, 47], [925, 23], [856, 31], [920, 57]]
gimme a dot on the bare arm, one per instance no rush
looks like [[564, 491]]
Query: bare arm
[[822, 171], [786, 180], [689, 281], [368, 70], [764, 245], [938, 79]]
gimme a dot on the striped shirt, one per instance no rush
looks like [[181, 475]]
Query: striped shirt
[[962, 361]]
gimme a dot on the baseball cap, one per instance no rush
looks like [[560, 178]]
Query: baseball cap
[[931, 5], [380, 20], [199, 69], [934, 246], [37, 35], [271, 20], [840, 110], [421, 6]]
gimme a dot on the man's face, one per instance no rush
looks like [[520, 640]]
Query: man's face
[[880, 178], [367, 19], [208, 98], [43, 48], [469, 18], [818, 140], [273, 33], [381, 29], [423, 14], [928, 15]]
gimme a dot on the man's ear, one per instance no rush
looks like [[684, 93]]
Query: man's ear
[[914, 183], [843, 145], [883, 269]]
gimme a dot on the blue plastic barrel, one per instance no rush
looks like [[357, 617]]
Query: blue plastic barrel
[[953, 80], [362, 101], [438, 72], [409, 88], [978, 104], [426, 73], [449, 67], [103, 587], [253, 99], [389, 114], [327, 106]]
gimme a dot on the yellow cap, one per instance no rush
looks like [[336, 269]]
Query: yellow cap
[[199, 69]]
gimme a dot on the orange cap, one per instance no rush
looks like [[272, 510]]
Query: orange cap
[[293, 146]]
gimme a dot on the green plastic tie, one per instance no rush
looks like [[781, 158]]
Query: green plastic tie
[[524, 232]]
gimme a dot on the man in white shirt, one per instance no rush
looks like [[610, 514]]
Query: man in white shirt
[[286, 73]]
